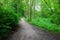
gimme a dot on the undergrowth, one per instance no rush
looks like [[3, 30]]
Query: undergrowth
[[45, 24]]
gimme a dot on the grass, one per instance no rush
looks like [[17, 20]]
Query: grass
[[45, 24]]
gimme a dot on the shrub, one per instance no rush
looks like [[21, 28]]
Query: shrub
[[4, 31], [8, 21], [8, 18]]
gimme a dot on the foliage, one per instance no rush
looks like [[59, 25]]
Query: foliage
[[8, 18], [45, 14], [8, 21], [46, 24], [4, 30]]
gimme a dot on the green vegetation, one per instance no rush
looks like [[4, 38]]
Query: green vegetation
[[9, 18], [8, 21], [44, 14], [45, 24]]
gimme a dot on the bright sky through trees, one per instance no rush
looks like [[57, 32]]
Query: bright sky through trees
[[38, 7]]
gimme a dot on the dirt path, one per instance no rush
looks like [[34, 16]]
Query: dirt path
[[28, 32]]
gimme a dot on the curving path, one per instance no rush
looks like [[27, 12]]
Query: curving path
[[28, 32]]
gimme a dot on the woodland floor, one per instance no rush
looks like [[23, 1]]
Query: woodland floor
[[29, 32]]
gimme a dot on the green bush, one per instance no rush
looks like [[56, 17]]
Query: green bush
[[8, 21], [8, 18], [5, 30]]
